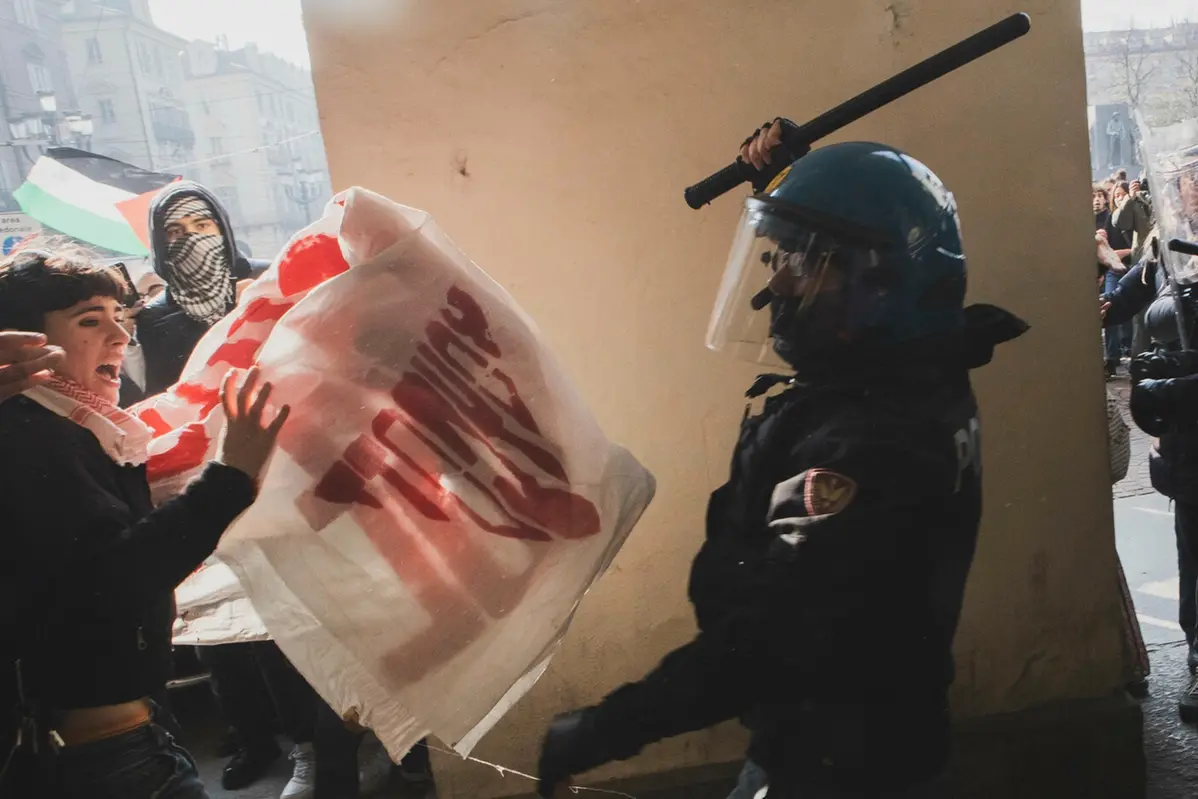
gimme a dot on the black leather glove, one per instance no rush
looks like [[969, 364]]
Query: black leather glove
[[572, 745]]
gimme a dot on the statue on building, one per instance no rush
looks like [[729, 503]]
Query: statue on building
[[1116, 134]]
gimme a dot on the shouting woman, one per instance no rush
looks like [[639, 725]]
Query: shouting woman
[[89, 566]]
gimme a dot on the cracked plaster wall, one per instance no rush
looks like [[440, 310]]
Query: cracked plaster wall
[[552, 140]]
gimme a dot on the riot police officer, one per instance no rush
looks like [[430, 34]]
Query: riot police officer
[[828, 589]]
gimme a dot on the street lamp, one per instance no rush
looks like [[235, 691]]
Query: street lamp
[[305, 190], [49, 102], [82, 128]]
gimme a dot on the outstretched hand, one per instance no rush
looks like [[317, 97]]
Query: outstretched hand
[[25, 361], [247, 440]]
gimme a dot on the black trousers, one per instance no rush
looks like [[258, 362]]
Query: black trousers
[[254, 682], [1185, 525], [254, 685], [337, 756]]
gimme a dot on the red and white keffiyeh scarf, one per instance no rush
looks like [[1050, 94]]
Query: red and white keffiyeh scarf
[[123, 436]]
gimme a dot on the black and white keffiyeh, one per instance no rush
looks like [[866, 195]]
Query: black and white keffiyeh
[[198, 271]]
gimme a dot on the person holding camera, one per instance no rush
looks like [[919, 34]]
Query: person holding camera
[[91, 566]]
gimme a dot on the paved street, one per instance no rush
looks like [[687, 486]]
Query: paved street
[[1136, 483], [1144, 538]]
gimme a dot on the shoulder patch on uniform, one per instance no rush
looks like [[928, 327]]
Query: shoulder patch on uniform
[[827, 492]]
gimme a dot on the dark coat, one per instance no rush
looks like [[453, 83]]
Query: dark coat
[[830, 583], [167, 334], [90, 567]]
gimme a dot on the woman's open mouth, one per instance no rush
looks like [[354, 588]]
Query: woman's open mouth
[[110, 372]]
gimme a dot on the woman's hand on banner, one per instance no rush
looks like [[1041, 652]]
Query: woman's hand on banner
[[247, 440]]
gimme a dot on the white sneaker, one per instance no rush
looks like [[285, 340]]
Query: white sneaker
[[302, 784], [374, 765]]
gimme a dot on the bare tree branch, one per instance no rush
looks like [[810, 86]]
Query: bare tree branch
[[1135, 68], [1185, 37]]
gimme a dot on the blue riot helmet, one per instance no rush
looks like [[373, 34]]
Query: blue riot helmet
[[854, 248]]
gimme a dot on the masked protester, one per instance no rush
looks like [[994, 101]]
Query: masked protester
[[194, 251], [847, 527], [195, 254]]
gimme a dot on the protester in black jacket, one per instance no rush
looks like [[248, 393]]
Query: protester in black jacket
[[1145, 288], [90, 566], [194, 250]]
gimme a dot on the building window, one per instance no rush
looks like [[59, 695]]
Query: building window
[[143, 57], [39, 77], [107, 111], [94, 54], [216, 145], [26, 13]]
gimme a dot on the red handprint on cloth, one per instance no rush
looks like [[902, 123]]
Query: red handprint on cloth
[[450, 458], [308, 262]]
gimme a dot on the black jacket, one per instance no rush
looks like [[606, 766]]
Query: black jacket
[[1145, 286], [166, 333], [90, 568], [1173, 466], [1103, 220], [827, 607]]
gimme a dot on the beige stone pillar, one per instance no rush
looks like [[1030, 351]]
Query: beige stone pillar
[[552, 140]]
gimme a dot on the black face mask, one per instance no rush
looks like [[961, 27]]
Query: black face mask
[[199, 276], [784, 312]]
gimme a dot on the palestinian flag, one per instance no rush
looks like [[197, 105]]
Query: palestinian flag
[[97, 200]]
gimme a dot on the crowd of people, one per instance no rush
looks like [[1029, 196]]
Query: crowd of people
[[1122, 221], [88, 652]]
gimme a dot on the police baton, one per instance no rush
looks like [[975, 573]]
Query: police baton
[[797, 139], [1184, 247]]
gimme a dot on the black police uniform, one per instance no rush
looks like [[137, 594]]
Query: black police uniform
[[829, 587], [1173, 464]]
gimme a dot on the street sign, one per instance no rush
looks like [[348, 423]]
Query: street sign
[[15, 228]]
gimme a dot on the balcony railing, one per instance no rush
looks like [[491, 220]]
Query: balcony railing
[[174, 134]]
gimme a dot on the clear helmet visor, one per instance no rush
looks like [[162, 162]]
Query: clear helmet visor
[[786, 285]]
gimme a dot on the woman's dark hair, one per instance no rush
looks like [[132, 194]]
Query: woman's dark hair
[[45, 276], [1123, 184]]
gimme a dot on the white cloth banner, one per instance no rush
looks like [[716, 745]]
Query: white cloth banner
[[441, 498]]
